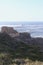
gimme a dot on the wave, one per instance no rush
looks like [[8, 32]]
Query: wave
[[34, 29]]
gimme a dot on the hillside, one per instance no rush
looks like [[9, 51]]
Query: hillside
[[22, 46], [9, 44]]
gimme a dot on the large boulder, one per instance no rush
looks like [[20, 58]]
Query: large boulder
[[10, 31]]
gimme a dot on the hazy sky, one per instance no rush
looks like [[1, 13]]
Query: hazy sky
[[21, 10]]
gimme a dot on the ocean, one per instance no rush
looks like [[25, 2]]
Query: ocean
[[34, 28]]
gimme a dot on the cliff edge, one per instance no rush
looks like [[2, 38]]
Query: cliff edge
[[10, 31]]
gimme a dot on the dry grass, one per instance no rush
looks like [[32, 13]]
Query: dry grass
[[29, 62]]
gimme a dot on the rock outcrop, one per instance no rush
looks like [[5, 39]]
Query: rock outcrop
[[24, 37], [20, 44], [10, 31]]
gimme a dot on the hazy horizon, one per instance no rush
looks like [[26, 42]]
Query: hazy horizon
[[19, 22]]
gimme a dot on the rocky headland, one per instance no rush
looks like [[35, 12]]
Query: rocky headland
[[20, 45]]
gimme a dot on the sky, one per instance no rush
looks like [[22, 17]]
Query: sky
[[21, 10]]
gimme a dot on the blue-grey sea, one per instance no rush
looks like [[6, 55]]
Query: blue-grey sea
[[34, 28]]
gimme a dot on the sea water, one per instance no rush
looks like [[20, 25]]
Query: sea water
[[34, 28]]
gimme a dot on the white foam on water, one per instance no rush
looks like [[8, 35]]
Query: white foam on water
[[34, 29]]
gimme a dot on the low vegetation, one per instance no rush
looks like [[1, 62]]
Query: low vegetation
[[17, 52]]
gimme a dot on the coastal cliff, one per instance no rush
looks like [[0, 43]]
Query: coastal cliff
[[10, 31], [24, 37], [20, 46]]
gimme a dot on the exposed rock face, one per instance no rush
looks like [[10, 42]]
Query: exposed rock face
[[10, 31], [25, 37]]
